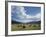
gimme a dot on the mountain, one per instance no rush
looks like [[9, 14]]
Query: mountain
[[35, 22]]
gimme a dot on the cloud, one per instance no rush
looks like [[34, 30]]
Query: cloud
[[24, 18], [24, 15]]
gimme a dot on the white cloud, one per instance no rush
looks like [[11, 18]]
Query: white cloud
[[28, 16], [22, 15]]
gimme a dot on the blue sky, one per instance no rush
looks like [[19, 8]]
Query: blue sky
[[25, 14], [32, 10]]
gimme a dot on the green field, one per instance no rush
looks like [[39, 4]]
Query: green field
[[21, 27]]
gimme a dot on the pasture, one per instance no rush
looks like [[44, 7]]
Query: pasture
[[22, 27]]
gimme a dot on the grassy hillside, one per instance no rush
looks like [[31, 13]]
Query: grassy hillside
[[18, 27]]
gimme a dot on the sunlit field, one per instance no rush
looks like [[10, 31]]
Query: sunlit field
[[21, 27]]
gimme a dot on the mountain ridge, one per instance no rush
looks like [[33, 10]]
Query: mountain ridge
[[15, 22]]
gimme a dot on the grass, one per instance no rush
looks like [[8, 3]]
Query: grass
[[21, 27]]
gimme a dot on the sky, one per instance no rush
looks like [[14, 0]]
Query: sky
[[25, 14]]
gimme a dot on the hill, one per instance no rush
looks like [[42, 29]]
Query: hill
[[35, 22]]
